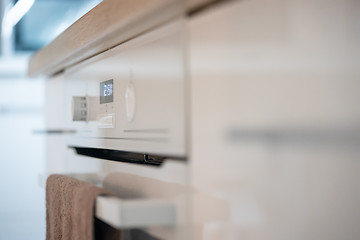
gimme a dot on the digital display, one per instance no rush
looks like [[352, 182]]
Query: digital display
[[107, 91]]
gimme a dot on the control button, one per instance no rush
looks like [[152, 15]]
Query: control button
[[130, 102], [79, 109], [106, 120]]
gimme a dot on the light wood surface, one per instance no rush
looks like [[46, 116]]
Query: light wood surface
[[107, 25], [110, 23]]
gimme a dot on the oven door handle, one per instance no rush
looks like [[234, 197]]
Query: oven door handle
[[127, 213], [135, 213]]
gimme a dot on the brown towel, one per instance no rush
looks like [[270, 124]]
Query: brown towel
[[70, 210]]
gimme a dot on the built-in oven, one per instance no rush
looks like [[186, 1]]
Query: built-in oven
[[131, 99], [123, 120]]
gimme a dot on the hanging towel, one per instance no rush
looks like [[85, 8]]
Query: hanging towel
[[70, 211]]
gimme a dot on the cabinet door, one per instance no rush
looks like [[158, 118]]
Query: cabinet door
[[275, 123]]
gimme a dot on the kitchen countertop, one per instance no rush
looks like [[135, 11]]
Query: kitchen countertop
[[110, 23]]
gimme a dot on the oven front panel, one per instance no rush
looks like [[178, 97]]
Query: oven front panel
[[132, 97]]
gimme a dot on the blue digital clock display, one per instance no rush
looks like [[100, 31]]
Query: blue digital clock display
[[107, 91]]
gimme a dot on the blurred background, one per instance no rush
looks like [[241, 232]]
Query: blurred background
[[26, 26]]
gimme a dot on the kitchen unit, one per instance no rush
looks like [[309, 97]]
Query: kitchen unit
[[222, 119]]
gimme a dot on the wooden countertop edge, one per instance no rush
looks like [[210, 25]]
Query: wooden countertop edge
[[109, 24], [105, 26]]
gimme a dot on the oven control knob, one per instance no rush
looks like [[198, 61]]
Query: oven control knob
[[79, 109]]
